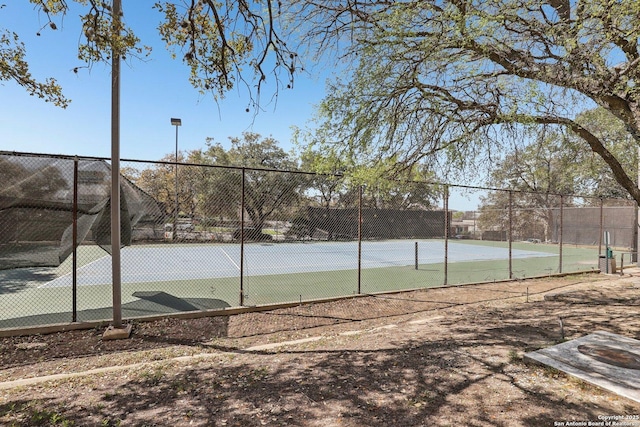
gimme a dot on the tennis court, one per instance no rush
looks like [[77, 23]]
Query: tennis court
[[143, 264], [170, 278], [204, 269]]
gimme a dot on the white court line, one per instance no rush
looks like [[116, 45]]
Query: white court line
[[46, 285], [230, 259]]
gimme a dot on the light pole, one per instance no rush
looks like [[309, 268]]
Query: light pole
[[176, 122], [118, 329]]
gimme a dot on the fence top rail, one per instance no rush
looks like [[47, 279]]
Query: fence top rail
[[155, 162], [240, 168]]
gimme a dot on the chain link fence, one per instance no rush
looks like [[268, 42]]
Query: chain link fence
[[202, 237]]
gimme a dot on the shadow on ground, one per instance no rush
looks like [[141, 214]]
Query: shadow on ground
[[462, 367], [419, 383]]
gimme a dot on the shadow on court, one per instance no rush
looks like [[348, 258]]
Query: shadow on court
[[19, 279], [154, 303]]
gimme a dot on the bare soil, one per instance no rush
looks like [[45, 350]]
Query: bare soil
[[439, 357]]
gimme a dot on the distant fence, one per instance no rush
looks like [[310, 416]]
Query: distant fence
[[585, 225], [379, 223], [204, 237]]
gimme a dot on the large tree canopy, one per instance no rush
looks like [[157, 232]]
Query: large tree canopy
[[453, 76], [14, 66], [594, 177], [430, 77], [222, 42], [265, 192], [556, 162]]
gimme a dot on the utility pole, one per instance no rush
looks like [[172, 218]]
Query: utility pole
[[117, 330]]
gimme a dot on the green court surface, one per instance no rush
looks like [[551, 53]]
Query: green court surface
[[23, 303]]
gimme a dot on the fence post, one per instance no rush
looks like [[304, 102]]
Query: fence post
[[635, 224], [446, 235], [360, 239], [510, 234], [601, 227], [242, 240], [475, 226], [74, 253], [561, 233]]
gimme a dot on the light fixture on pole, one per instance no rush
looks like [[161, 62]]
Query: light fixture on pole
[[176, 122]]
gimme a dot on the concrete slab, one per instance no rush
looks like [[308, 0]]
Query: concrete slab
[[117, 333], [604, 359]]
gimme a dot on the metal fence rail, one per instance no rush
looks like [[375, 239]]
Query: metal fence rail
[[205, 237]]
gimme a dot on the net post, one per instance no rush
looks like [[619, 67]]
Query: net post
[[416, 251]]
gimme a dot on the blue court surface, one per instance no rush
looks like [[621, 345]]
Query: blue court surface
[[189, 262]]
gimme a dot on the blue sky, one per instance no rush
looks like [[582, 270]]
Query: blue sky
[[152, 91]]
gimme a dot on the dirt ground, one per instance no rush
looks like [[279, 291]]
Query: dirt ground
[[441, 357]]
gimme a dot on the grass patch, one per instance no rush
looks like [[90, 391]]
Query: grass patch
[[514, 357], [33, 414]]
